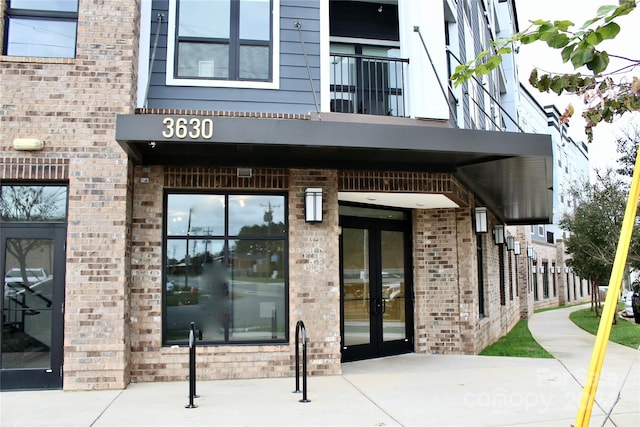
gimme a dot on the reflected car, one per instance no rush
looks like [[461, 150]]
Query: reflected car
[[13, 280], [29, 299], [34, 275]]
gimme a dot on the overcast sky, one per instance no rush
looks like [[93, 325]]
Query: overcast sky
[[602, 152]]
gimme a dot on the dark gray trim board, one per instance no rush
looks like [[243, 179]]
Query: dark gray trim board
[[511, 172]]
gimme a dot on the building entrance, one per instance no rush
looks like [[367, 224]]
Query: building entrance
[[32, 264], [376, 286]]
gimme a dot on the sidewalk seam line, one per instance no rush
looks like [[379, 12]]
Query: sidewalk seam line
[[372, 401], [106, 408]]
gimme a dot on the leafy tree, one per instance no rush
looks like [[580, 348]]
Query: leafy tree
[[627, 148], [606, 99], [594, 227]]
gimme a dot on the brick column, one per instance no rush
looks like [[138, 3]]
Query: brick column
[[314, 263]]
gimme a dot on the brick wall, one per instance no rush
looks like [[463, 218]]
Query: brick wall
[[445, 285], [314, 266], [313, 279], [70, 104]]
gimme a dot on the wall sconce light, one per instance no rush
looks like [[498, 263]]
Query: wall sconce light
[[542, 269], [516, 248], [566, 269], [511, 241], [27, 144], [552, 270], [498, 234], [481, 220], [530, 251], [313, 205]]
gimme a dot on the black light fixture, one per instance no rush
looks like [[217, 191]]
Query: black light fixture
[[498, 234], [313, 205], [481, 220]]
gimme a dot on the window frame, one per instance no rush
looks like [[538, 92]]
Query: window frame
[[39, 14], [227, 237], [172, 48]]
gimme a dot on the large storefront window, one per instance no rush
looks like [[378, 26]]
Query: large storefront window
[[225, 268]]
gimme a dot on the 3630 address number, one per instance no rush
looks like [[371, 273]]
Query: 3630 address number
[[192, 128]]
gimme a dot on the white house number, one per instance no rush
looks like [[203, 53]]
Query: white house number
[[193, 128]]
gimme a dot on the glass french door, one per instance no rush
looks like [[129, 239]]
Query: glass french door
[[32, 265], [376, 287]]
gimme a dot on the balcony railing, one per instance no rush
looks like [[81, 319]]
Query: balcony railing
[[368, 85]]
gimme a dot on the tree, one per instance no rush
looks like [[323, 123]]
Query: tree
[[627, 148], [605, 98], [594, 227]]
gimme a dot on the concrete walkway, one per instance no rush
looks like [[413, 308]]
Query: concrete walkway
[[408, 390]]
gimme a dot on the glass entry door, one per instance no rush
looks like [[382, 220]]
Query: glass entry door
[[376, 289], [32, 307]]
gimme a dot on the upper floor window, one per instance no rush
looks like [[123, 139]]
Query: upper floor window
[[222, 41], [41, 28]]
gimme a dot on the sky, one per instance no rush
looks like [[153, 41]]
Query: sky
[[602, 151]]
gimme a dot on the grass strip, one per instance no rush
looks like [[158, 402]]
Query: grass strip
[[517, 343], [625, 332]]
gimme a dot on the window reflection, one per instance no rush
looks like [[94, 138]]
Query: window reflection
[[233, 289], [33, 203], [256, 215], [195, 214], [27, 304]]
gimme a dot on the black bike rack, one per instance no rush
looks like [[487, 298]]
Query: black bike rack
[[192, 367], [300, 328]]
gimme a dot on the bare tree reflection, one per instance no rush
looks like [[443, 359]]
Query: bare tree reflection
[[21, 203]]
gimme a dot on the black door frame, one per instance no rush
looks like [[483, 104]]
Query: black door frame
[[378, 347], [39, 378]]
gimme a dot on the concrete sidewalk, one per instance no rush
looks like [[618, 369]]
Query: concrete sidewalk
[[408, 390]]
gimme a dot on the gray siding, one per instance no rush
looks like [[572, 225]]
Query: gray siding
[[462, 21], [294, 94]]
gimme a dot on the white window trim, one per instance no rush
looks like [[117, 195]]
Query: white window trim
[[275, 52]]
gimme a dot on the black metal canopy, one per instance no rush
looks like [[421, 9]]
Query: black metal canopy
[[510, 172]]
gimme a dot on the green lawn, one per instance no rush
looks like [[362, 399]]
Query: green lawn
[[624, 332], [517, 343], [520, 343]]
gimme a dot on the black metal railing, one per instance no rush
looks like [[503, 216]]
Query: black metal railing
[[372, 85]]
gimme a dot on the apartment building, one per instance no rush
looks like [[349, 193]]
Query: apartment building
[[244, 165], [551, 281]]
